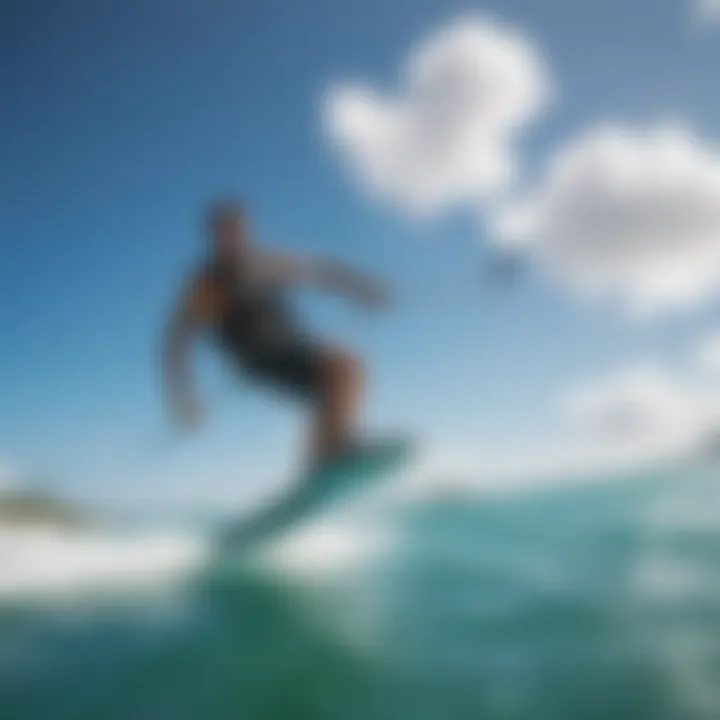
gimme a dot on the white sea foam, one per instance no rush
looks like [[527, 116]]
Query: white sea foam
[[46, 563], [330, 545]]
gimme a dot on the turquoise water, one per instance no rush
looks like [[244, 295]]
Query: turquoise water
[[596, 600]]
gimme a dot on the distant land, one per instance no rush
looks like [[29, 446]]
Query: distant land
[[36, 506]]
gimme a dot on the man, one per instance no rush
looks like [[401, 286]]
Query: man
[[239, 294]]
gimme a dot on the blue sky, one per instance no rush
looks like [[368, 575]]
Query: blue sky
[[121, 119]]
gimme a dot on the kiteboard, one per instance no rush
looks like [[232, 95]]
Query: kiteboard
[[336, 479]]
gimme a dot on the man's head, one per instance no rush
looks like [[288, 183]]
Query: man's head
[[228, 229]]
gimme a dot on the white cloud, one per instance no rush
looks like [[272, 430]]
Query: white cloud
[[639, 413], [708, 354], [707, 12], [632, 215], [707, 369], [449, 135], [642, 408]]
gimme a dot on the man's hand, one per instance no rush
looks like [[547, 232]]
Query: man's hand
[[329, 275], [374, 295], [187, 413]]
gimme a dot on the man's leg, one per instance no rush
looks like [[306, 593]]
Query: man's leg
[[336, 414]]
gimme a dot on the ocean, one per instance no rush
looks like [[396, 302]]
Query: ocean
[[597, 598]]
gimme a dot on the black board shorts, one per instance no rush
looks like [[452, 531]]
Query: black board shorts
[[295, 367]]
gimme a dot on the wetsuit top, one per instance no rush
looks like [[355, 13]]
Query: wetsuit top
[[257, 321]]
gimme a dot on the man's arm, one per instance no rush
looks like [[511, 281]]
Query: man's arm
[[329, 275], [179, 335]]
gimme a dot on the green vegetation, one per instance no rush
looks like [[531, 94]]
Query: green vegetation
[[36, 506]]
